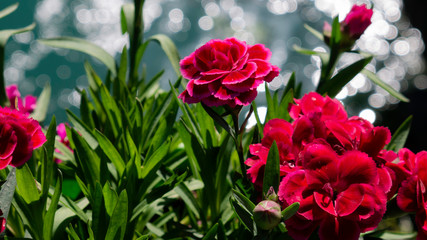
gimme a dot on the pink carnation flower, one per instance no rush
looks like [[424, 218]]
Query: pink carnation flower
[[62, 134], [27, 105], [19, 136], [226, 72]]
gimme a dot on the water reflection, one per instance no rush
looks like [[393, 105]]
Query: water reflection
[[276, 23]]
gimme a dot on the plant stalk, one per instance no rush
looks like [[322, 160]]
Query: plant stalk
[[135, 42]]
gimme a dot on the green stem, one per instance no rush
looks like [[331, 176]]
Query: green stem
[[3, 97], [135, 42]]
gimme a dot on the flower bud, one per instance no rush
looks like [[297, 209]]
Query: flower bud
[[267, 214]]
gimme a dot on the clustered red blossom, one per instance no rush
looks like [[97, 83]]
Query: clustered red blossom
[[334, 166], [412, 195], [19, 136], [226, 72], [26, 105]]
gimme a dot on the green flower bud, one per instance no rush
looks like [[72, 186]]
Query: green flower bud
[[267, 214]]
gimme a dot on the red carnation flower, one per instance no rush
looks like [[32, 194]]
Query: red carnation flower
[[19, 136], [226, 72], [27, 105], [338, 194], [357, 20], [412, 195]]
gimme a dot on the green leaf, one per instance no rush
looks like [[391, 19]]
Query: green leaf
[[375, 79], [170, 50], [110, 199], [26, 185], [313, 31], [110, 151], [333, 86], [210, 235], [399, 137], [7, 191], [127, 15], [42, 104], [153, 162], [6, 34], [188, 197], [258, 121], [83, 129], [290, 210], [47, 163], [83, 46], [117, 225], [93, 79], [272, 170], [244, 216], [8, 10], [219, 120], [50, 215], [388, 235], [242, 200], [323, 55]]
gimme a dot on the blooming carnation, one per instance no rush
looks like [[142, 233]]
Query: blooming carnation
[[226, 72], [27, 105], [19, 136], [412, 195], [62, 134], [336, 167]]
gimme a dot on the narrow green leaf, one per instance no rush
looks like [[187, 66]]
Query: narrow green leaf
[[313, 31], [110, 151], [219, 120], [333, 86], [110, 199], [8, 10], [47, 162], [210, 235], [83, 129], [375, 79], [290, 211], [117, 225], [388, 235], [244, 216], [123, 65], [399, 137], [127, 16], [170, 50], [42, 104], [83, 46], [93, 79], [272, 170], [322, 55], [50, 215], [153, 163], [26, 184], [244, 201], [6, 34], [188, 197], [258, 121], [7, 191]]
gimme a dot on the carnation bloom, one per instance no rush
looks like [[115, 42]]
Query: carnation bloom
[[357, 20], [226, 72], [338, 194], [412, 195], [19, 136], [27, 105]]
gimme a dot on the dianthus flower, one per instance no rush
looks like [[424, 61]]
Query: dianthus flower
[[226, 72], [62, 134], [26, 106], [337, 193], [412, 195], [19, 136], [357, 20]]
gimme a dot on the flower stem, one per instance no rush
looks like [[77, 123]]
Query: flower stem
[[3, 98]]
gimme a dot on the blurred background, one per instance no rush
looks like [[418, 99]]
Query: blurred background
[[395, 37]]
